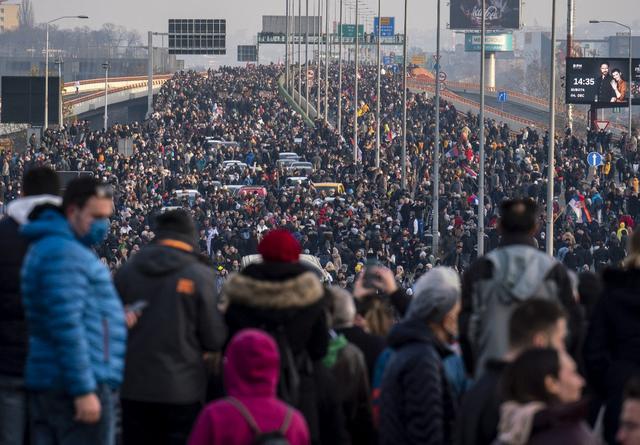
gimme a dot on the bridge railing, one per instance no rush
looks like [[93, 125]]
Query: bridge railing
[[100, 94]]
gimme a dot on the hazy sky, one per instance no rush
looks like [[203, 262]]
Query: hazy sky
[[244, 16]]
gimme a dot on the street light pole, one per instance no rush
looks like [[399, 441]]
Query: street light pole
[[630, 80], [436, 149], [379, 34], [105, 65], [326, 61], [46, 65], [481, 134], [552, 134], [299, 52], [286, 47], [319, 77], [355, 95], [403, 160], [340, 72], [306, 59]]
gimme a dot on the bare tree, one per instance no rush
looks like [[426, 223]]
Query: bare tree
[[27, 16]]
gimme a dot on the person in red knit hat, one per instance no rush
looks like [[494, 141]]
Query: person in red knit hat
[[285, 298]]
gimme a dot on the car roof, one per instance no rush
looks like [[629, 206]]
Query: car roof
[[308, 260]]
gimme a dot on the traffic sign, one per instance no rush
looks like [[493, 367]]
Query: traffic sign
[[442, 76], [502, 96], [602, 125], [594, 159]]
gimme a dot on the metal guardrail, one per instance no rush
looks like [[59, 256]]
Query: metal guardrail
[[425, 86], [117, 79], [100, 94]]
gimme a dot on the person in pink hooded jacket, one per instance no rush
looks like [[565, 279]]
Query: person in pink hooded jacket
[[251, 373]]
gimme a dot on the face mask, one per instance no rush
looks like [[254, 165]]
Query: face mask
[[97, 232]]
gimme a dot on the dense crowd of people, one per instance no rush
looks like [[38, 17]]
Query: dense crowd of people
[[392, 342]]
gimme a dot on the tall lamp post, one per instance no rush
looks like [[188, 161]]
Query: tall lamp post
[[630, 79], [481, 133], [378, 68], [552, 135], [46, 65], [436, 149], [105, 67], [59, 62], [403, 160]]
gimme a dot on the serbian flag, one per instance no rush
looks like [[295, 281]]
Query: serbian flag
[[584, 208], [470, 172]]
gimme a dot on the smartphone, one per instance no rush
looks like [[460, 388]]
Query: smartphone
[[137, 306], [370, 276]]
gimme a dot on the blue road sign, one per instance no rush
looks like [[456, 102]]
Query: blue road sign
[[388, 26], [502, 97], [594, 159]]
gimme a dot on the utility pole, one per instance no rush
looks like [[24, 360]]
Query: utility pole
[[286, 47], [340, 72], [483, 32], [326, 61], [355, 95], [552, 134], [105, 66], [403, 160], [379, 34], [306, 58], [319, 76], [571, 11], [436, 149], [299, 52], [150, 76]]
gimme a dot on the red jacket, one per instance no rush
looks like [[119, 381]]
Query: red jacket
[[251, 369]]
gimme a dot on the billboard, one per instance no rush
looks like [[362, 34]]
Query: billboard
[[247, 53], [495, 42], [388, 26], [23, 100], [602, 82], [277, 24], [197, 36], [499, 14]]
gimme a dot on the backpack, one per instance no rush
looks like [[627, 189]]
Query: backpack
[[277, 437]]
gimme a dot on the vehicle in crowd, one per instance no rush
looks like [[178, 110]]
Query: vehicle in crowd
[[226, 165], [300, 167], [190, 194], [249, 190], [332, 188], [311, 261], [211, 142], [233, 189], [293, 181], [289, 155]]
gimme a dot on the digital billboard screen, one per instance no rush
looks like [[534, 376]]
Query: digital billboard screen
[[23, 99], [500, 14], [603, 82]]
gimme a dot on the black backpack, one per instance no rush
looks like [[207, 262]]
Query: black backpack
[[277, 437]]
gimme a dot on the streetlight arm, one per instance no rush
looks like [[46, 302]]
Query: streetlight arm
[[68, 17]]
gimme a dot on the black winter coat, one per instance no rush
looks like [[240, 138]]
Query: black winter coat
[[416, 405], [13, 326], [479, 414], [612, 347], [164, 361]]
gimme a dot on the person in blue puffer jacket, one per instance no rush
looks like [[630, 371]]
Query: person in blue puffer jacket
[[77, 329]]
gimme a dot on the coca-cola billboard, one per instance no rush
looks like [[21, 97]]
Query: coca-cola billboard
[[499, 14]]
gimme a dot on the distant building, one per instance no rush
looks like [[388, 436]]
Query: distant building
[[9, 16]]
